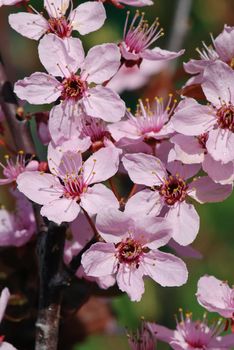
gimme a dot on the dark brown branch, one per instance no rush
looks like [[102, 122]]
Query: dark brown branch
[[50, 247], [19, 129]]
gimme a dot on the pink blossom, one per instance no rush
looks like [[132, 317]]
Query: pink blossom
[[142, 339], [62, 59], [216, 296], [63, 192], [169, 190], [222, 50], [192, 149], [17, 227], [138, 38], [13, 168], [94, 130], [5, 295], [149, 123], [130, 252], [193, 119], [85, 18], [190, 334]]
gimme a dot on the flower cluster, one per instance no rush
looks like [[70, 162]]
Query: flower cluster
[[171, 152], [93, 137]]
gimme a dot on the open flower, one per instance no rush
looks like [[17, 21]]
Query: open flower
[[169, 190], [149, 123], [13, 168], [192, 150], [194, 335], [62, 59], [130, 252], [137, 40], [68, 188], [221, 50], [86, 18], [193, 119], [216, 296]]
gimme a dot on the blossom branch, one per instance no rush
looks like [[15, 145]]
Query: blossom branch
[[50, 246]]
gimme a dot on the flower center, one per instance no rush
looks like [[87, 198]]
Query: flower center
[[73, 87], [141, 36], [173, 190], [129, 251], [59, 26], [151, 119], [74, 187], [225, 116]]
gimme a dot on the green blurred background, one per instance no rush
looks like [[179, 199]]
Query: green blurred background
[[215, 240]]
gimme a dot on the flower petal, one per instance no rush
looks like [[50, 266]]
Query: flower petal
[[165, 269], [215, 296], [30, 25], [218, 83], [100, 260], [205, 190], [88, 17], [61, 210], [102, 165], [41, 188], [144, 169], [152, 203], [192, 119], [220, 145], [217, 171], [161, 332], [97, 198], [158, 54], [39, 88], [154, 232], [113, 224], [104, 103], [101, 63], [185, 222], [56, 8], [130, 280], [60, 57]]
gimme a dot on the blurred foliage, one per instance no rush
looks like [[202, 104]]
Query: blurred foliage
[[215, 240]]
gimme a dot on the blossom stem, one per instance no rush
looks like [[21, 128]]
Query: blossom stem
[[96, 234], [132, 192]]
